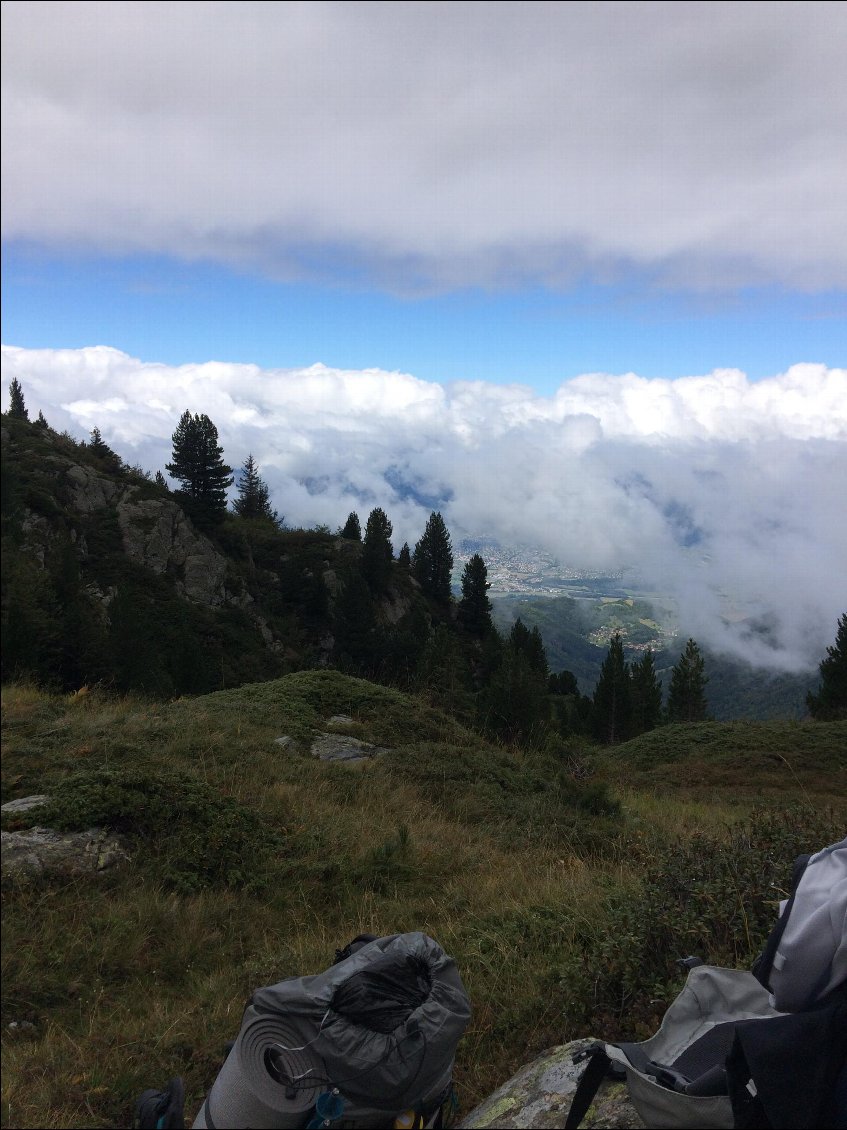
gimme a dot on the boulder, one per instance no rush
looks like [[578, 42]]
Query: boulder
[[36, 851], [539, 1097], [39, 851], [341, 747]]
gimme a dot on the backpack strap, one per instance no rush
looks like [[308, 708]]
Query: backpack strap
[[598, 1065]]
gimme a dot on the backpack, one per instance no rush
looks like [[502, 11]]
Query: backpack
[[370, 1042], [724, 1057]]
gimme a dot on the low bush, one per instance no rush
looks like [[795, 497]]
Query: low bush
[[716, 897], [194, 836]]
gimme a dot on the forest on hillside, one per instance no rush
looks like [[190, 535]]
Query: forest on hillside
[[79, 609]]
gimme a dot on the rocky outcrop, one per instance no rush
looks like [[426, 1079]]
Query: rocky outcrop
[[38, 851], [157, 534], [90, 491], [539, 1097]]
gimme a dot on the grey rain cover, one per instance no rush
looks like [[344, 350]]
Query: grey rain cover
[[393, 1069]]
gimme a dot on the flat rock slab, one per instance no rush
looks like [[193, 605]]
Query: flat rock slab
[[341, 747], [37, 851], [24, 803], [539, 1097]]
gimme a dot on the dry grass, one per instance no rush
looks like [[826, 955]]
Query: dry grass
[[128, 982]]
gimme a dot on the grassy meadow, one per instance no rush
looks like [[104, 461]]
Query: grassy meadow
[[565, 883]]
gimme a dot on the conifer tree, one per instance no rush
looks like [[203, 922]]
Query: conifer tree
[[352, 527], [253, 499], [475, 607], [41, 422], [830, 703], [612, 701], [404, 557], [377, 552], [686, 695], [98, 446], [433, 561], [646, 694], [198, 465], [17, 407], [161, 481]]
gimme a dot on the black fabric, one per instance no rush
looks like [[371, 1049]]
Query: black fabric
[[161, 1108], [764, 962], [385, 994], [589, 1083], [794, 1062], [353, 947], [710, 1050]]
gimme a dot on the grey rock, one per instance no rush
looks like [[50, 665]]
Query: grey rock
[[284, 741], [539, 1097], [24, 803], [157, 534], [341, 747], [90, 491], [37, 851], [340, 720], [22, 1028]]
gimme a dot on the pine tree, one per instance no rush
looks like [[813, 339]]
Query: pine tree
[[377, 552], [433, 560], [830, 703], [352, 527], [253, 496], [161, 481], [198, 465], [41, 422], [646, 694], [612, 701], [475, 607], [686, 696], [404, 557], [17, 407], [109, 458]]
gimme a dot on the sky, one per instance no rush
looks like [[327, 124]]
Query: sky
[[573, 273]]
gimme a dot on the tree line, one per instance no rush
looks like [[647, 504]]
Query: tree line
[[446, 647]]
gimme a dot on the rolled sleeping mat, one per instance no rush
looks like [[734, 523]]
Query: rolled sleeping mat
[[247, 1094]]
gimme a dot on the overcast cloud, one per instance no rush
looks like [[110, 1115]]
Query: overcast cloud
[[726, 493], [429, 145]]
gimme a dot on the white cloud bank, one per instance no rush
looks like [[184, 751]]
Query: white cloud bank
[[435, 145], [715, 487]]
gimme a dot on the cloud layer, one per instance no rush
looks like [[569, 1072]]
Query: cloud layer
[[726, 493], [435, 145]]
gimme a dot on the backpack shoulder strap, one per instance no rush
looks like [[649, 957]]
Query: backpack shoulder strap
[[589, 1083]]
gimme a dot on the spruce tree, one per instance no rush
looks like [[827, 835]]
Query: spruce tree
[[646, 694], [17, 407], [161, 481], [475, 607], [198, 465], [41, 422], [830, 703], [253, 496], [109, 458], [377, 552], [612, 701], [433, 561], [686, 695], [404, 557], [352, 527]]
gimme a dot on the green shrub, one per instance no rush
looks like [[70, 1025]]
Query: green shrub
[[194, 836], [714, 897]]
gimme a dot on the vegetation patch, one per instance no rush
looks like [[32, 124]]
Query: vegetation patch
[[196, 836]]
